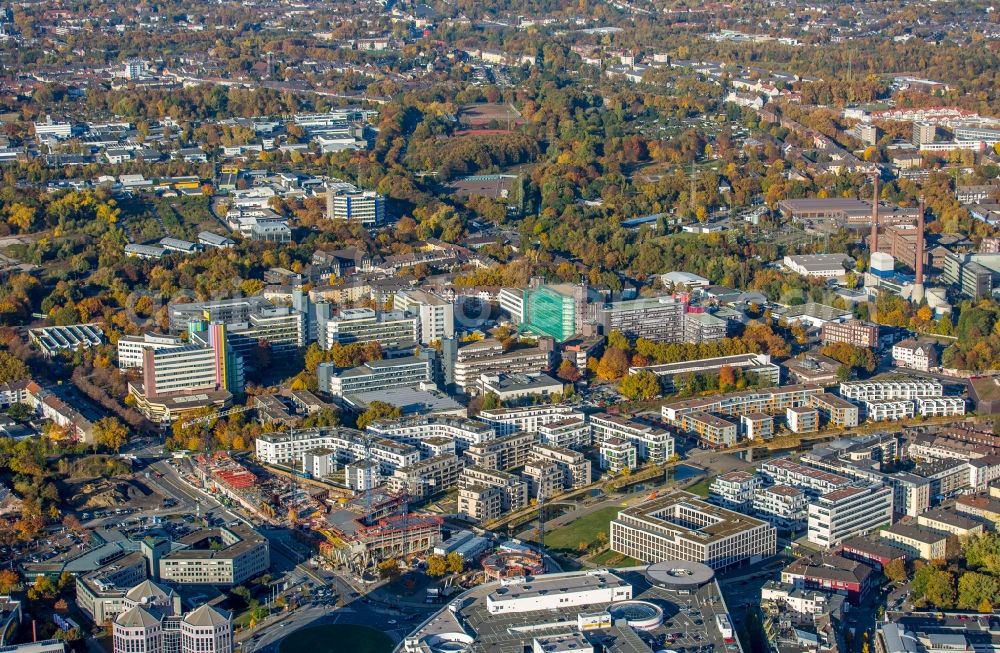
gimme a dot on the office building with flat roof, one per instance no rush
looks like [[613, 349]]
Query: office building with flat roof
[[680, 526], [842, 514]]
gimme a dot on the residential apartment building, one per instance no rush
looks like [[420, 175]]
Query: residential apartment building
[[529, 419], [844, 513], [574, 468], [436, 315], [888, 411], [617, 455], [413, 430], [393, 330], [426, 477], [652, 444], [891, 390], [757, 426], [917, 541], [814, 481], [503, 452], [490, 493], [853, 332], [349, 446], [571, 433], [735, 490], [783, 506], [802, 419], [680, 526], [772, 401], [404, 372], [836, 411], [544, 479], [710, 429], [914, 355]]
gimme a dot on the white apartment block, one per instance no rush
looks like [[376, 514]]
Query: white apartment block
[[840, 515], [390, 329], [571, 433], [772, 401], [891, 390], [783, 506], [413, 430], [735, 490], [652, 443], [940, 406], [437, 315], [680, 526], [574, 468], [130, 348], [349, 445], [887, 411], [617, 455], [813, 481], [528, 419], [405, 372], [366, 207], [511, 301]]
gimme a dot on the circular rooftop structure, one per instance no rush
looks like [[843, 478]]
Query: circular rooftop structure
[[641, 615], [679, 574]]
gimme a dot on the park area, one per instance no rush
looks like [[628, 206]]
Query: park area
[[336, 638]]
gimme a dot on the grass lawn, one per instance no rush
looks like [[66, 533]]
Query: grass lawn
[[700, 488], [611, 559], [337, 638], [567, 538]]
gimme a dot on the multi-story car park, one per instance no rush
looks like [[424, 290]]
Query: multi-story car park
[[350, 445], [841, 514], [891, 390], [652, 443], [680, 526], [528, 419], [244, 555]]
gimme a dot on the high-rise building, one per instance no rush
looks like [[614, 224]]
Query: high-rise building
[[841, 514], [437, 315], [250, 321], [654, 318], [557, 311], [353, 205], [179, 379], [923, 132]]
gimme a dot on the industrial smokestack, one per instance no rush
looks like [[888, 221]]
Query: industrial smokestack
[[874, 239], [918, 265]]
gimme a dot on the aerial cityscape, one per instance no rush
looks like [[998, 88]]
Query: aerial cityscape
[[427, 326]]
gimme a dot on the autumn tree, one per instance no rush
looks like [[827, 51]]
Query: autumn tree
[[640, 386], [895, 570], [568, 372], [456, 563], [613, 364], [436, 566], [111, 433], [9, 581], [378, 410]]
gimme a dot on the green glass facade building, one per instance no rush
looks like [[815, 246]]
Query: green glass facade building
[[550, 312]]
